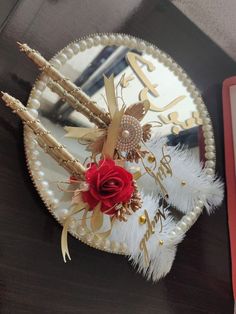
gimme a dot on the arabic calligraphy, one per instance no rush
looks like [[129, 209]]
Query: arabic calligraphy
[[135, 60], [173, 118]]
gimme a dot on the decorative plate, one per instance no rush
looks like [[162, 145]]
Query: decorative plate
[[164, 130]]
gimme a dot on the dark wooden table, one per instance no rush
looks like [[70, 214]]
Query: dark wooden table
[[33, 277]]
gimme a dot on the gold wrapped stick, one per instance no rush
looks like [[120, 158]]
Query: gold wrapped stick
[[64, 82], [76, 104], [45, 139]]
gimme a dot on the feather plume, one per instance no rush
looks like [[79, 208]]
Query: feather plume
[[161, 257], [186, 168]]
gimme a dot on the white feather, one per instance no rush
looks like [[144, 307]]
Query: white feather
[[161, 257], [185, 167]]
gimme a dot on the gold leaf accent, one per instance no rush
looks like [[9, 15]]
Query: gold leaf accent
[[136, 154], [138, 110], [110, 94], [124, 81], [96, 218], [147, 132], [87, 134], [96, 147]]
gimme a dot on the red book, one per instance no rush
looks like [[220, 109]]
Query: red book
[[229, 115]]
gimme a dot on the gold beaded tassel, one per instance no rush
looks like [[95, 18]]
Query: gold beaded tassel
[[128, 208], [64, 82], [76, 104], [45, 139]]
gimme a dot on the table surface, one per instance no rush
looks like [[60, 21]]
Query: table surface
[[33, 276]]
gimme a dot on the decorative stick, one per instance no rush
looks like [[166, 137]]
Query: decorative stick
[[64, 82], [76, 104], [45, 139]]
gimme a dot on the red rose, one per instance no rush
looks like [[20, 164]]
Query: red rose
[[108, 184]]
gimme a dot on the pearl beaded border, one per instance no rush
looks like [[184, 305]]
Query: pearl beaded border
[[31, 146]]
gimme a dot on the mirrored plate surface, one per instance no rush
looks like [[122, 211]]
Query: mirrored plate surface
[[141, 71]]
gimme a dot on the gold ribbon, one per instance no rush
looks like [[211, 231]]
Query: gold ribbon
[[113, 133], [96, 218], [64, 243], [87, 134]]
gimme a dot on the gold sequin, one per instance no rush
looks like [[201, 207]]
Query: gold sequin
[[151, 159], [142, 219]]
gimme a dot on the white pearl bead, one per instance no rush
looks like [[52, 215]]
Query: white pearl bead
[[210, 155], [204, 113], [183, 225], [186, 219], [119, 39], [210, 148], [81, 231], [73, 223], [55, 202], [112, 40], [37, 164], [36, 94], [123, 247], [32, 144], [126, 40], [89, 42], [34, 103], [149, 49], [210, 164], [75, 47], [44, 78], [44, 184], [49, 193], [125, 134], [207, 127], [178, 229], [198, 101], [192, 215], [207, 120], [133, 42], [56, 63], [200, 203], [97, 241], [104, 39], [63, 58], [173, 233], [208, 134], [35, 154], [115, 246], [33, 112], [197, 209], [141, 45], [96, 40], [62, 213], [209, 141], [107, 244], [40, 174], [40, 86], [69, 52], [210, 171], [82, 44]]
